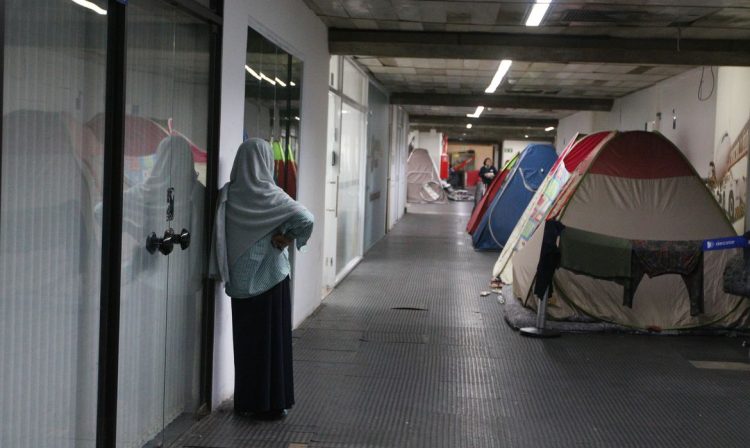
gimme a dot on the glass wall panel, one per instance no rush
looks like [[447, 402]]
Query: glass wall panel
[[349, 238], [334, 78], [376, 191], [273, 85], [333, 159], [50, 246], [164, 187], [355, 83]]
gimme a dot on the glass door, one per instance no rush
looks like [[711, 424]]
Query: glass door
[[162, 272], [333, 163], [350, 215]]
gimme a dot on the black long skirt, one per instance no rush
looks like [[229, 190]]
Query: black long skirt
[[262, 327]]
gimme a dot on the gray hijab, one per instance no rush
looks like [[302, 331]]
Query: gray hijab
[[251, 204]]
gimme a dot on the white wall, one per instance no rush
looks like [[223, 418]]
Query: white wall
[[732, 109], [732, 114], [432, 141], [294, 27], [694, 132]]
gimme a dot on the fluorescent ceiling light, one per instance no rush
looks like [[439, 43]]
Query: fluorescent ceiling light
[[296, 118], [476, 113], [279, 82], [92, 6], [270, 81], [502, 70], [291, 83], [469, 126], [551, 128], [537, 12], [253, 73]]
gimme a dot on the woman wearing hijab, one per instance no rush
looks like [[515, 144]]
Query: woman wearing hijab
[[256, 221]]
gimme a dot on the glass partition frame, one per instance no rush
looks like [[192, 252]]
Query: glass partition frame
[[113, 128]]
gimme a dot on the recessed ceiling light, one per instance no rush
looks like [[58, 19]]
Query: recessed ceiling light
[[551, 128], [477, 112], [502, 70], [269, 80], [526, 136], [92, 6], [538, 12], [469, 126], [253, 73]]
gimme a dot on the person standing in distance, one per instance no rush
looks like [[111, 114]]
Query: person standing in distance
[[487, 173]]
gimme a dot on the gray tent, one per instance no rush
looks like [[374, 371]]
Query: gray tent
[[423, 182]]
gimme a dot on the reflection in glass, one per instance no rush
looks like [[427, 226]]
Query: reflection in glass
[[50, 252], [165, 140], [273, 82]]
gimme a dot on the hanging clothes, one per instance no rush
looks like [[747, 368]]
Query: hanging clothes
[[595, 255], [621, 260], [291, 173], [279, 164], [549, 259], [654, 258]]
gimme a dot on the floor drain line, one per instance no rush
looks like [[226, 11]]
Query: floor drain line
[[408, 308]]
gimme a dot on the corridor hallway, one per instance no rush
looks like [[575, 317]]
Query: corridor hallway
[[405, 353]]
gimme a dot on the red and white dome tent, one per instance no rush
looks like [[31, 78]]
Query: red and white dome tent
[[637, 185]]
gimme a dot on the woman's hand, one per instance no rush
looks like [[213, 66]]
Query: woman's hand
[[280, 241]]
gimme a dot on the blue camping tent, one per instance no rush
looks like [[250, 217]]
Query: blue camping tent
[[510, 202]]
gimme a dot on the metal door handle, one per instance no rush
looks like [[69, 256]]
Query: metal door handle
[[164, 245], [183, 239]]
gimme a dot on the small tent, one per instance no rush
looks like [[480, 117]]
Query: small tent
[[422, 181], [510, 202], [495, 186], [636, 187]]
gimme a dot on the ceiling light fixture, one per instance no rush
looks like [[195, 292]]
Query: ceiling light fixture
[[253, 73], [502, 70], [269, 80], [526, 136], [477, 112], [469, 126], [291, 83], [296, 118], [90, 5], [279, 82], [551, 128], [538, 12]]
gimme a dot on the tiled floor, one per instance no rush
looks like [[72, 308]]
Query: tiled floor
[[405, 353]]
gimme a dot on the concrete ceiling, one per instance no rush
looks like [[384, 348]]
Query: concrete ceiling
[[437, 57], [704, 19], [468, 76]]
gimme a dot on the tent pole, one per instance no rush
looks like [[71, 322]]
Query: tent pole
[[540, 331]]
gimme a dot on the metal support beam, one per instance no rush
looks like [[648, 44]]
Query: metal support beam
[[539, 47], [502, 101], [484, 121], [455, 132]]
